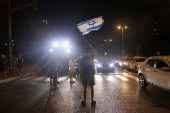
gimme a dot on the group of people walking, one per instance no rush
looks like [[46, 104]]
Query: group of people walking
[[16, 64], [86, 68]]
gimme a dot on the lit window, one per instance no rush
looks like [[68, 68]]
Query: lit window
[[155, 29], [156, 33]]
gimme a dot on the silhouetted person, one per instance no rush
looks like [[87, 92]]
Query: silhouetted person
[[71, 65], [19, 64], [54, 63], [3, 66], [87, 71]]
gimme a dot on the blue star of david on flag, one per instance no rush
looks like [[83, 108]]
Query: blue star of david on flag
[[90, 25]]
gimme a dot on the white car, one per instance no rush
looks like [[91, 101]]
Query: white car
[[136, 62], [155, 71], [124, 62]]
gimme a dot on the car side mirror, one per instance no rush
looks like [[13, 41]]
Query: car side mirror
[[165, 68]]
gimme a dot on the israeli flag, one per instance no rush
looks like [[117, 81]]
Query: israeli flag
[[90, 25]]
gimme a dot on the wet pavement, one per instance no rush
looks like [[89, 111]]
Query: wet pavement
[[115, 92]]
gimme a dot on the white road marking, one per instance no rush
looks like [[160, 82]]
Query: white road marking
[[109, 77], [131, 76], [98, 78], [122, 77], [29, 77], [60, 79], [41, 77], [10, 79]]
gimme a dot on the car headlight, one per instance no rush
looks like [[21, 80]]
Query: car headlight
[[116, 61], [99, 65], [111, 65]]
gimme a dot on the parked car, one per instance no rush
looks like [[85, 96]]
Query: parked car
[[155, 71], [124, 62], [136, 62]]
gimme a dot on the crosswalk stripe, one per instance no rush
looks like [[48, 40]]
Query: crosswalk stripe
[[19, 77], [6, 80], [10, 79], [98, 78], [131, 76], [39, 78], [122, 78], [109, 77], [29, 77]]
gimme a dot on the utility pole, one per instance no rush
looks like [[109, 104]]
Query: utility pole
[[10, 46], [137, 51], [119, 27], [122, 43], [9, 23]]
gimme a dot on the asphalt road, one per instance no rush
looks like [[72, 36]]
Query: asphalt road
[[115, 92]]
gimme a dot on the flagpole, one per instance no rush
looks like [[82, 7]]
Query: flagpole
[[85, 39]]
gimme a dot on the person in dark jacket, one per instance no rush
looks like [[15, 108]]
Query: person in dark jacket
[[19, 64], [3, 66], [54, 64]]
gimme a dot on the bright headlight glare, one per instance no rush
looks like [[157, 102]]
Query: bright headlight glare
[[51, 50], [55, 44], [99, 65], [68, 50], [65, 44], [111, 64], [124, 63], [116, 61]]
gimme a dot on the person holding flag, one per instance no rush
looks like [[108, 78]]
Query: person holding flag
[[86, 63], [87, 72]]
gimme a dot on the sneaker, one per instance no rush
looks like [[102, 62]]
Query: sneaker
[[83, 104], [72, 82], [52, 88], [58, 82]]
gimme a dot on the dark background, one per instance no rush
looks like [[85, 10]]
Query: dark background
[[33, 36]]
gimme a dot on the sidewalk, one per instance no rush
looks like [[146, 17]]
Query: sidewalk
[[27, 69], [31, 69]]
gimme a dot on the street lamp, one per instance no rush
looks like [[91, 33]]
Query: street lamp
[[119, 27]]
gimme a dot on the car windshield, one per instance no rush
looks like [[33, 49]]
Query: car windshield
[[126, 59], [105, 60], [140, 59]]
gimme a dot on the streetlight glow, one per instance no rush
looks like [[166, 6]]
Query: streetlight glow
[[51, 50], [122, 38]]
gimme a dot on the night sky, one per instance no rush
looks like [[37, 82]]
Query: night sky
[[28, 29]]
